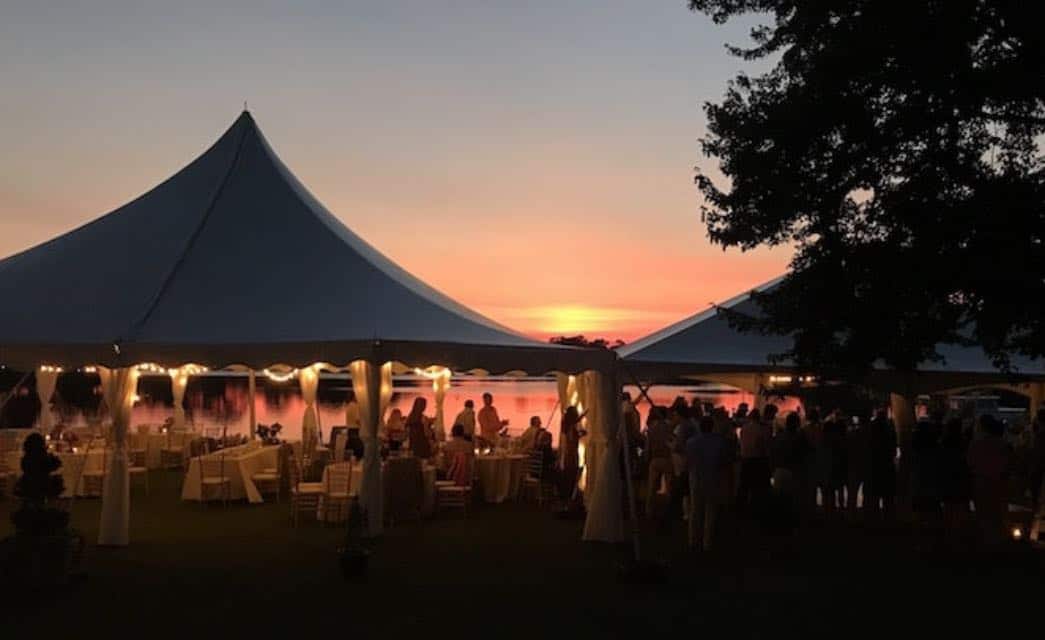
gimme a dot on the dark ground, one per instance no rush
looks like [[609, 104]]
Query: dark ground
[[513, 570]]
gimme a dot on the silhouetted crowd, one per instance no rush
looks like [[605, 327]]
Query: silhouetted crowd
[[699, 464]]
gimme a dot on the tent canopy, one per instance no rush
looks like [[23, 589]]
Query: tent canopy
[[233, 261], [705, 344]]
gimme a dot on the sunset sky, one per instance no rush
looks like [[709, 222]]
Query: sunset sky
[[533, 160]]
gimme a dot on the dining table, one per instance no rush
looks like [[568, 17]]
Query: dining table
[[239, 464], [428, 477], [500, 475]]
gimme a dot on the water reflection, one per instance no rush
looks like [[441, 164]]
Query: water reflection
[[516, 400]]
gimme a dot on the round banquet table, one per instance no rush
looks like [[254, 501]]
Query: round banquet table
[[427, 473], [500, 475]]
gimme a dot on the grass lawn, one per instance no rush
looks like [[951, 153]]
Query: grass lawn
[[510, 569]]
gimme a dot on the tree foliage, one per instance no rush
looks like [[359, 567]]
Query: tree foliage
[[581, 341], [898, 147]]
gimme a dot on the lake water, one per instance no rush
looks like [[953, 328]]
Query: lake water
[[516, 400]]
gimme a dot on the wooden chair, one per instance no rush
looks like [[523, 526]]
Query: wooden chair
[[214, 480], [172, 455], [268, 481], [304, 496], [93, 481], [136, 467], [340, 440], [534, 483], [337, 490], [459, 494]]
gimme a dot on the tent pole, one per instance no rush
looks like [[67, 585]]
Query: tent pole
[[15, 388], [622, 435], [252, 391]]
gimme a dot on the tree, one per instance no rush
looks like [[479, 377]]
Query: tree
[[581, 341], [898, 147]]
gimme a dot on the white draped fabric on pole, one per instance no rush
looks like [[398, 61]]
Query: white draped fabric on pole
[[46, 380], [367, 379], [179, 380], [440, 385], [309, 378], [386, 391], [605, 519], [252, 386], [587, 401], [119, 387]]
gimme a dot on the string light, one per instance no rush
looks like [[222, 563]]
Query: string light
[[89, 369], [438, 375], [46, 368], [277, 376]]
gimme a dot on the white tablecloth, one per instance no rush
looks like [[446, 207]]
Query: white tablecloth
[[241, 463], [74, 465], [427, 476], [500, 476]]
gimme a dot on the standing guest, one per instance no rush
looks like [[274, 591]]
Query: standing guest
[[682, 430], [351, 410], [632, 420], [466, 418], [696, 408], [706, 457], [457, 444], [789, 454], [490, 424], [954, 479], [633, 430], [769, 418], [816, 461], [569, 452], [419, 430], [395, 426], [989, 461], [740, 415], [858, 458], [754, 462], [529, 437], [658, 448], [723, 426], [880, 496], [834, 464], [925, 473]]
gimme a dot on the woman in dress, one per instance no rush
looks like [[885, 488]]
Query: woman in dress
[[395, 430], [418, 429]]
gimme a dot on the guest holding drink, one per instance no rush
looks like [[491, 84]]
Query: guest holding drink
[[490, 424]]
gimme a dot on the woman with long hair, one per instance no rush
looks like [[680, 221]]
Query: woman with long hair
[[418, 426], [569, 452]]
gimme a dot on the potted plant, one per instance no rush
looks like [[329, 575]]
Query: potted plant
[[43, 551]]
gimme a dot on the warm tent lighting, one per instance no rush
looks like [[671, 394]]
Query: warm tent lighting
[[435, 374], [280, 376], [1017, 533]]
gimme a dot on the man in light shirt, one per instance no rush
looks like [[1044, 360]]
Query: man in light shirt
[[490, 424], [467, 419], [756, 433], [529, 437]]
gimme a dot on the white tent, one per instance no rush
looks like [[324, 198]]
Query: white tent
[[232, 262], [704, 346]]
